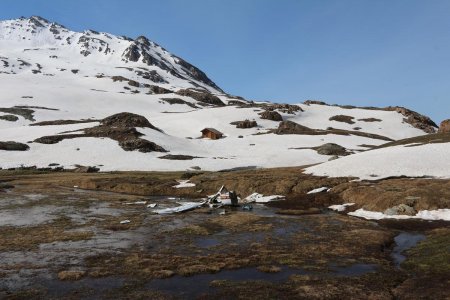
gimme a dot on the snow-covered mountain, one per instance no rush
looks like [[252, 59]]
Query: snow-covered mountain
[[46, 48], [59, 89]]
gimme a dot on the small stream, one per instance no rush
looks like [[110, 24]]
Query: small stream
[[405, 241]]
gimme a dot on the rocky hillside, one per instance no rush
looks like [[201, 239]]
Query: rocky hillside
[[115, 103]]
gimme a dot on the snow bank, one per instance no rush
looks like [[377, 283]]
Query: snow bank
[[318, 190], [340, 207], [259, 198], [418, 161], [440, 214]]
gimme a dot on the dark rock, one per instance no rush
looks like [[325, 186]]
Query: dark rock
[[445, 126], [141, 145], [62, 122], [10, 118], [331, 149], [152, 75], [19, 111], [309, 102], [178, 157], [197, 74], [289, 127], [282, 107], [132, 53], [86, 169], [178, 101], [238, 103], [343, 118], [415, 119], [245, 124], [370, 120], [119, 127], [13, 146], [126, 119], [159, 90], [54, 139], [271, 115], [129, 81], [201, 96]]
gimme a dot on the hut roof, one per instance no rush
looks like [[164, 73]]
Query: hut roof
[[212, 130]]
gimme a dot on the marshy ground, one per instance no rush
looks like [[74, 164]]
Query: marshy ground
[[61, 241]]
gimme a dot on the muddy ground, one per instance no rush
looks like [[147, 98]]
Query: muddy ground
[[61, 237]]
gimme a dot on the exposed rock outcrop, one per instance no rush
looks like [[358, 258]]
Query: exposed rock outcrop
[[245, 124], [10, 118], [283, 107], [126, 119], [401, 209], [155, 89], [271, 115], [331, 149], [201, 96], [370, 120], [343, 118], [19, 111], [445, 126], [309, 102], [178, 101], [289, 127], [415, 119], [13, 146], [178, 157], [119, 127], [140, 145]]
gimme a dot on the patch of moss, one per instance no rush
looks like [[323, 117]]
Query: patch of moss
[[14, 238], [432, 255]]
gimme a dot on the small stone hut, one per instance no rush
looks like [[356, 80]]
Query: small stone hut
[[211, 133]]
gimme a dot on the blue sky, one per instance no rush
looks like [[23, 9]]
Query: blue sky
[[360, 52]]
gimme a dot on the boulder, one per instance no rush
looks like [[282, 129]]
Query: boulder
[[141, 145], [126, 119], [445, 126], [289, 127], [331, 149], [271, 115], [13, 146], [401, 209], [10, 118], [343, 118], [245, 124]]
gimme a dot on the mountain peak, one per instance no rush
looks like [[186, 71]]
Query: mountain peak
[[102, 49]]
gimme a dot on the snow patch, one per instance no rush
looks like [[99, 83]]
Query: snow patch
[[318, 190], [439, 214], [340, 207], [184, 184]]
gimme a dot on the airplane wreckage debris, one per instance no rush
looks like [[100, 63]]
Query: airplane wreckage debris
[[223, 197]]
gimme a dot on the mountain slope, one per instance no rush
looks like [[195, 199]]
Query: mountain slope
[[72, 81]]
